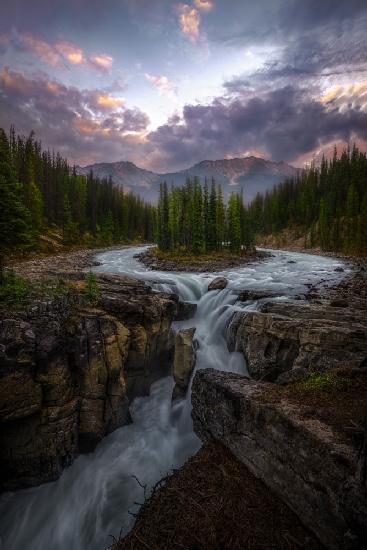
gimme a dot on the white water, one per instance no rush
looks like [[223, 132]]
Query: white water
[[93, 497]]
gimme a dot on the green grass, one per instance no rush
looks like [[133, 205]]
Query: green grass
[[325, 381]]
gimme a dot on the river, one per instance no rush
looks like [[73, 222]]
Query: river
[[95, 498]]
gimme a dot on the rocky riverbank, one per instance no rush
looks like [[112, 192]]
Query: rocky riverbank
[[69, 368], [203, 264]]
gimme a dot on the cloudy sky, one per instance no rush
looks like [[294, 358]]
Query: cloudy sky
[[166, 84]]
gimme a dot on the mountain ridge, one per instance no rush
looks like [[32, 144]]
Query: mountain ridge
[[253, 174]]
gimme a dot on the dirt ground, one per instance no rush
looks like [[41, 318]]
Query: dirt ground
[[215, 503]]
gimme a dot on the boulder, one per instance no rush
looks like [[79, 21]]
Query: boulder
[[184, 361], [314, 469], [219, 283]]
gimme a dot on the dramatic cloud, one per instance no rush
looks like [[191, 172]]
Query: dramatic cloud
[[284, 123], [162, 83], [83, 124], [189, 19]]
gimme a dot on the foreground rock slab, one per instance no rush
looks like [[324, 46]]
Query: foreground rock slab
[[315, 470]]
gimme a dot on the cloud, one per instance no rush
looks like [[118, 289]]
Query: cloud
[[41, 49], [189, 19], [284, 123], [101, 62], [162, 83], [350, 96], [71, 53], [84, 125], [204, 5], [58, 54]]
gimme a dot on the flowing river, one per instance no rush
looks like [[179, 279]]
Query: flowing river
[[95, 498]]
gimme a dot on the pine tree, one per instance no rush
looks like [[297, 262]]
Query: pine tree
[[234, 223]]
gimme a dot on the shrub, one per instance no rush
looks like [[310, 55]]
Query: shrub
[[324, 381], [91, 290]]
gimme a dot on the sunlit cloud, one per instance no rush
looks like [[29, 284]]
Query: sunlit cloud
[[70, 52], [204, 5], [101, 62], [60, 54], [163, 84], [189, 19], [345, 97], [110, 102]]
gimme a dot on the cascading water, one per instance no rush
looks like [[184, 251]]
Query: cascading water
[[95, 497]]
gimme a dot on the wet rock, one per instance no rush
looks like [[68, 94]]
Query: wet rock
[[300, 458], [186, 310], [219, 283], [246, 295], [184, 361], [339, 270]]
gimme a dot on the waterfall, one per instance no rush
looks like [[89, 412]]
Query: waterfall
[[98, 494]]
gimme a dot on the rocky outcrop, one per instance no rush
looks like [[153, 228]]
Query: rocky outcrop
[[307, 462], [184, 361], [284, 336], [69, 370], [219, 283]]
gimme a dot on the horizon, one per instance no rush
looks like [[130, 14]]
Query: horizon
[[166, 85]]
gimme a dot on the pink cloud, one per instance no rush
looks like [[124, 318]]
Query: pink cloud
[[58, 54], [163, 84], [204, 5], [189, 20], [101, 62]]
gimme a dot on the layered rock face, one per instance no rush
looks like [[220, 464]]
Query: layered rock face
[[290, 336], [69, 370], [313, 467]]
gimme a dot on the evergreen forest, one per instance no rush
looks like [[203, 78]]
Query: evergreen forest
[[328, 204], [40, 192]]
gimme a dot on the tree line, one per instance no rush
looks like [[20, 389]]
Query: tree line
[[195, 219], [328, 203], [39, 191]]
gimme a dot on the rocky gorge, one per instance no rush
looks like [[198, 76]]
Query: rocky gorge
[[69, 371], [73, 372]]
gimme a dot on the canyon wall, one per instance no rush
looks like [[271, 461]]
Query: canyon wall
[[68, 372]]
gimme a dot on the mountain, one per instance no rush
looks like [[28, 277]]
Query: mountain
[[253, 174]]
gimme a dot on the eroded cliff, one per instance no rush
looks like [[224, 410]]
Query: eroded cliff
[[69, 370]]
